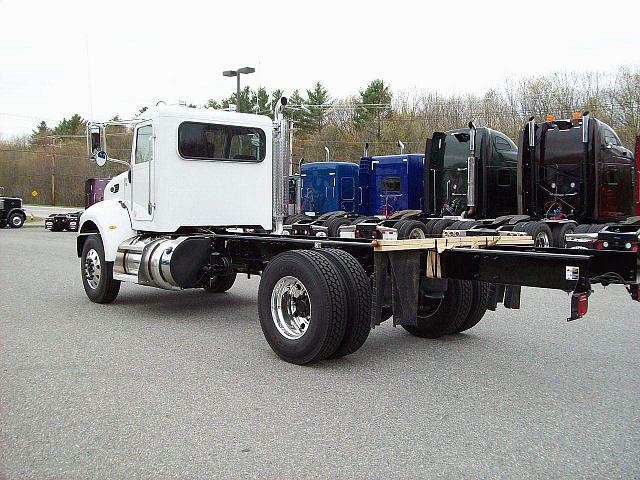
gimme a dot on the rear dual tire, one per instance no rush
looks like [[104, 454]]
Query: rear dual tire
[[314, 305], [463, 305]]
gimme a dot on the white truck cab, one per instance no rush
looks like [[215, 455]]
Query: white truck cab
[[189, 165]]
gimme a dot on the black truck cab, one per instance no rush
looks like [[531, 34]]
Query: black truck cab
[[576, 169], [11, 212], [482, 184]]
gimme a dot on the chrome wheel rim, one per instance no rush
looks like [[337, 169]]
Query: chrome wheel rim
[[290, 307], [417, 233], [92, 269], [542, 240], [16, 220]]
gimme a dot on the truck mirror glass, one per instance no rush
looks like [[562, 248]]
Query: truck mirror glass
[[94, 140], [101, 158]]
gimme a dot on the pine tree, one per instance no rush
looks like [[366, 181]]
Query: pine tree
[[317, 98], [373, 107]]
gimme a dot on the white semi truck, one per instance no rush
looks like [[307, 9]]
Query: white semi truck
[[204, 198]]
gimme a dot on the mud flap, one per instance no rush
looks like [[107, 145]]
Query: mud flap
[[512, 296], [405, 285], [508, 295]]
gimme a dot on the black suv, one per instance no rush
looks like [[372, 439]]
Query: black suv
[[11, 212]]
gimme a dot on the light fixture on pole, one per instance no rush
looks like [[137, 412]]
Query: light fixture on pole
[[237, 73]]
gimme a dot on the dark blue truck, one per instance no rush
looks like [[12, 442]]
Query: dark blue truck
[[335, 194]]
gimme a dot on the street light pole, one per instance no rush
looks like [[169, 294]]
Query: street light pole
[[238, 93], [237, 73]]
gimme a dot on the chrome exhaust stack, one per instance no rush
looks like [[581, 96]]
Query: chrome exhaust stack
[[471, 167], [280, 162]]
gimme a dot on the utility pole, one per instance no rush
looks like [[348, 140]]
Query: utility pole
[[53, 170]]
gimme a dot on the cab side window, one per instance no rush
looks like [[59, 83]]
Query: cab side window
[[502, 144], [144, 146], [610, 137]]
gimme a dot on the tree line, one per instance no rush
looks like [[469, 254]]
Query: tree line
[[376, 115]]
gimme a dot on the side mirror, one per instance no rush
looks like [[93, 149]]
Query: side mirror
[[606, 146], [101, 158], [94, 140]]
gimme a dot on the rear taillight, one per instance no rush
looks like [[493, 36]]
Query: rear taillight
[[357, 233], [377, 234], [579, 305], [602, 244]]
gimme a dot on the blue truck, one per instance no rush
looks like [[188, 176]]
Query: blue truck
[[335, 194], [390, 184]]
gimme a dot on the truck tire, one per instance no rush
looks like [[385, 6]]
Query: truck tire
[[411, 229], [220, 283], [461, 225], [438, 317], [97, 274], [16, 220], [296, 218], [302, 305], [540, 232], [440, 225], [333, 226], [559, 232], [479, 304], [358, 300], [430, 223], [584, 228], [520, 226]]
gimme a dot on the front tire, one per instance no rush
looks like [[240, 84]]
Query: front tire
[[97, 274], [16, 220], [302, 305]]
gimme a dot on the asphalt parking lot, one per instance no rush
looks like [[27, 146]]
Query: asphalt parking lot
[[182, 385]]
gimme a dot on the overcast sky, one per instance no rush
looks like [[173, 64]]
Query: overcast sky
[[99, 58]]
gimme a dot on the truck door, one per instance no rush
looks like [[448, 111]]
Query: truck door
[[501, 177], [615, 174], [142, 173], [348, 194]]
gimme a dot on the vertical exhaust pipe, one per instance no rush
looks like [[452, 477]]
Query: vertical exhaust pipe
[[471, 171], [366, 150], [584, 171], [326, 153], [533, 166], [281, 161], [401, 147], [299, 187]]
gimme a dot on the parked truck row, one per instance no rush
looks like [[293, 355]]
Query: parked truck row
[[93, 193], [174, 221], [567, 177]]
